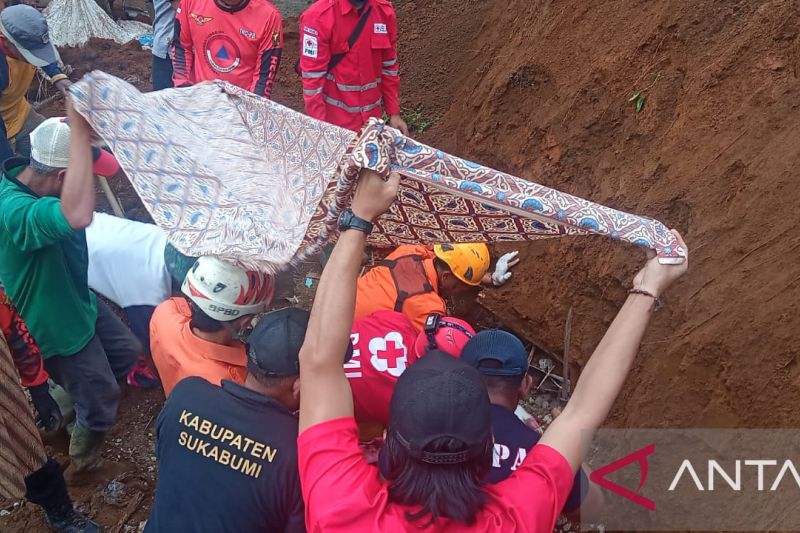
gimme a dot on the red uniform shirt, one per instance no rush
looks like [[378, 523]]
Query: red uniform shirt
[[383, 347], [241, 46], [343, 493], [367, 80], [23, 348]]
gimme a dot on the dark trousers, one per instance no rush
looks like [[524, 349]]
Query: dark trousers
[[139, 321], [162, 73], [90, 376]]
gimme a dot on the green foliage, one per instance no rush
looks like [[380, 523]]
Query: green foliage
[[638, 97], [418, 119]]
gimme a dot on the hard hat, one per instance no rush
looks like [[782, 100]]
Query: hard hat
[[468, 261], [444, 333], [226, 292]]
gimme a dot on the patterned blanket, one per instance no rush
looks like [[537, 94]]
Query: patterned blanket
[[225, 172]]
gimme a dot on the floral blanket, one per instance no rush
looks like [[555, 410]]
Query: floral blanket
[[226, 172]]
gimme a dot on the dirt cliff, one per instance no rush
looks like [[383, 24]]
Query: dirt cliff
[[541, 89]]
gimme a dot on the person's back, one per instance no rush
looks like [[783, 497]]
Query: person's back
[[126, 261], [385, 344], [239, 41], [406, 281], [43, 259], [227, 462], [202, 336], [178, 353]]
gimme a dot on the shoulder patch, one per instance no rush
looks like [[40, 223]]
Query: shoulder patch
[[310, 31], [310, 46], [380, 27]]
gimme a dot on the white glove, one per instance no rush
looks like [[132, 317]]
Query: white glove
[[502, 271]]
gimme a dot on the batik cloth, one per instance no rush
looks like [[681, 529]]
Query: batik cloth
[[21, 448], [228, 173]]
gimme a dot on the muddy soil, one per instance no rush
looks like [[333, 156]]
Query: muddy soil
[[541, 89]]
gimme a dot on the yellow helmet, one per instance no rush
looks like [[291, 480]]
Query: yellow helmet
[[468, 261]]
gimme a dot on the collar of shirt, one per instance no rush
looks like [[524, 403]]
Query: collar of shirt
[[228, 9], [250, 396], [347, 6], [232, 355], [12, 168]]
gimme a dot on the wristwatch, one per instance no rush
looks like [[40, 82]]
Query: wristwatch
[[348, 220]]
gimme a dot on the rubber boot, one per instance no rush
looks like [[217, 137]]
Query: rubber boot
[[46, 488], [85, 446], [71, 521]]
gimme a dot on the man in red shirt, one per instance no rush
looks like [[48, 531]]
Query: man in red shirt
[[343, 83], [239, 41], [439, 442], [385, 344]]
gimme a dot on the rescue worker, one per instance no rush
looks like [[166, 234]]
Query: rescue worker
[[126, 266], [24, 47], [348, 62], [45, 204], [25, 469], [439, 440], [385, 344], [227, 455], [415, 279], [239, 41], [200, 335], [502, 361]]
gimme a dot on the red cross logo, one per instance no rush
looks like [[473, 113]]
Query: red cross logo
[[389, 353]]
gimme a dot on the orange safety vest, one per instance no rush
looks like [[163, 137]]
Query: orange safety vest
[[406, 281]]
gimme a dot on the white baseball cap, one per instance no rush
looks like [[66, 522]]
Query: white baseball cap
[[50, 147]]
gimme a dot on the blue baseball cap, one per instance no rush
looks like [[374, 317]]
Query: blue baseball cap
[[26, 28], [499, 346]]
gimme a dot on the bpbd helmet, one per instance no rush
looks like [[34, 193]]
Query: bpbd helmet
[[226, 292]]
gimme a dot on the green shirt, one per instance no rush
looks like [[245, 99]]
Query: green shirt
[[44, 265]]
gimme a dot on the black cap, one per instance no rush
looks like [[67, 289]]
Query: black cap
[[273, 347], [441, 396], [499, 346]]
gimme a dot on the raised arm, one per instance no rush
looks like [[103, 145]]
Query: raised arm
[[77, 193], [607, 369], [324, 391]]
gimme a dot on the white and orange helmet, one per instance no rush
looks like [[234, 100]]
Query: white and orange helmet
[[226, 292]]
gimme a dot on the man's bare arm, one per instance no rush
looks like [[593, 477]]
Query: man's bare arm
[[605, 373], [324, 391], [77, 193]]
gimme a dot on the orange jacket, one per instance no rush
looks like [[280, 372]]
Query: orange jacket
[[409, 268], [178, 353]]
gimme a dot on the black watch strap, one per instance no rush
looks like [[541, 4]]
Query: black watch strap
[[348, 220]]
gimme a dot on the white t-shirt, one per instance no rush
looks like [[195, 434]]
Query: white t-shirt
[[126, 261]]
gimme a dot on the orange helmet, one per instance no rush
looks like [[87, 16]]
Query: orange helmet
[[468, 261]]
